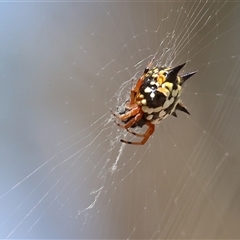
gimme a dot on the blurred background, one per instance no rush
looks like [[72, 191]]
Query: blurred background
[[64, 173]]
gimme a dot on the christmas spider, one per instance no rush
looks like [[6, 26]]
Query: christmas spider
[[154, 97]]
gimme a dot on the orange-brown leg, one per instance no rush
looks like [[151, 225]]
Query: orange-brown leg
[[129, 124], [145, 136], [149, 65], [135, 90], [136, 134], [134, 111]]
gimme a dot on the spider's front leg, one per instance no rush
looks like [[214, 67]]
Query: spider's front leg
[[146, 135], [135, 90], [131, 122], [136, 112]]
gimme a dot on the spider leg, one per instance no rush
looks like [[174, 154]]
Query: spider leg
[[136, 118], [149, 65], [127, 129], [135, 134], [134, 111], [146, 135], [135, 90]]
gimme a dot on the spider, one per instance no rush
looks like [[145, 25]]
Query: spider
[[154, 97]]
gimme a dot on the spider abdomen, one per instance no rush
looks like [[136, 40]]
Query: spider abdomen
[[159, 99]]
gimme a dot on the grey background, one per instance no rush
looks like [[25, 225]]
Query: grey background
[[62, 66]]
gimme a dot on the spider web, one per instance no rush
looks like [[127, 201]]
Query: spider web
[[64, 172]]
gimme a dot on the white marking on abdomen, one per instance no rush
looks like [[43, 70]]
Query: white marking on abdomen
[[168, 102]]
